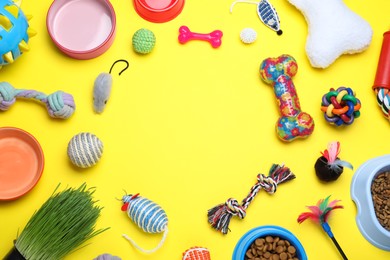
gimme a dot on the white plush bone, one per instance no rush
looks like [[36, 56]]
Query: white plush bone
[[333, 30]]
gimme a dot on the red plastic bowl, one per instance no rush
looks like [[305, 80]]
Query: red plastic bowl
[[82, 29], [158, 11]]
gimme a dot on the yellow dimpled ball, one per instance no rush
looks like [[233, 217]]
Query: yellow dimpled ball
[[143, 41]]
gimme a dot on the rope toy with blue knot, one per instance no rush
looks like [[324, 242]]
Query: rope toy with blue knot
[[220, 215], [340, 106], [58, 104]]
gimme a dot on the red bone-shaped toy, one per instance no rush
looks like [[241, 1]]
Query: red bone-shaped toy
[[214, 38], [293, 123]]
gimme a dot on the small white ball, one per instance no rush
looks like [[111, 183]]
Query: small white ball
[[85, 150], [248, 35]]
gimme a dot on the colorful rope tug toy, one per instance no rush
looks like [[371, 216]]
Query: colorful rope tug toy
[[15, 32], [59, 104], [220, 215], [340, 106], [148, 216], [320, 214], [278, 73], [329, 167]]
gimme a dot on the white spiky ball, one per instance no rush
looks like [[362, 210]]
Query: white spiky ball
[[248, 35], [85, 150]]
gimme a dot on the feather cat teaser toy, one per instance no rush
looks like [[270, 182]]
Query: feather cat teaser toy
[[329, 167], [220, 215], [148, 216], [320, 214], [266, 13]]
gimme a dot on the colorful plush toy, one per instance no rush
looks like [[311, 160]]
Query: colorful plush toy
[[15, 31], [333, 30], [293, 123]]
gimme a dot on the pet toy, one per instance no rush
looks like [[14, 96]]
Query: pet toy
[[196, 253], [102, 88], [144, 41], [328, 37], [266, 13], [220, 215], [62, 224], [293, 123], [59, 104], [382, 77], [329, 167], [107, 257], [340, 106], [85, 150], [214, 38], [248, 35], [148, 216], [15, 32], [320, 214]]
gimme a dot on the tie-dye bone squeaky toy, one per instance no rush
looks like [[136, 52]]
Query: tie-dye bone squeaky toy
[[148, 216], [293, 123], [15, 31]]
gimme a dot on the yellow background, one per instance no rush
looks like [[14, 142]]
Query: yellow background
[[189, 126]]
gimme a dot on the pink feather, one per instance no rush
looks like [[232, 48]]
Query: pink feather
[[332, 152]]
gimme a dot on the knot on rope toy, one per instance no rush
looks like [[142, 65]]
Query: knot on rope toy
[[234, 208], [58, 104], [383, 100], [220, 215], [340, 106], [267, 183], [278, 73]]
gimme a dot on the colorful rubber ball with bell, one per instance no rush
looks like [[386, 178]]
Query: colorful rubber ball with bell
[[340, 106]]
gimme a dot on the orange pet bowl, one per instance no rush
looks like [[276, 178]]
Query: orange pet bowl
[[21, 162], [158, 11]]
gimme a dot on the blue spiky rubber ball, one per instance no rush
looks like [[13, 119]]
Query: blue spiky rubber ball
[[143, 41], [15, 32]]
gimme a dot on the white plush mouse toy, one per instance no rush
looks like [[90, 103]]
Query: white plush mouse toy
[[333, 30]]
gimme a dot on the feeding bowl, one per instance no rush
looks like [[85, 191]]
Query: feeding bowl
[[262, 231], [158, 11], [366, 219], [82, 29], [21, 162]]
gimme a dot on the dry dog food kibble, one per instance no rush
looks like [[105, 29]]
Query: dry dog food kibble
[[380, 191], [271, 248]]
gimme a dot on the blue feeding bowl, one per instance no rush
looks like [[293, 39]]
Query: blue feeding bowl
[[262, 231], [366, 219]]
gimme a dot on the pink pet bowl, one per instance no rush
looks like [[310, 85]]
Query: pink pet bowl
[[158, 11], [82, 29]]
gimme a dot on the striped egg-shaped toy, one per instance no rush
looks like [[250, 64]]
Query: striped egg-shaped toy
[[85, 150], [148, 216], [196, 253]]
